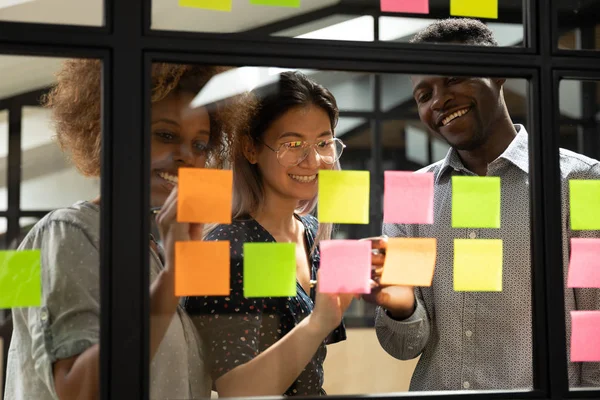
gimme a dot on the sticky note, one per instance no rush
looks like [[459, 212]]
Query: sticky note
[[584, 264], [405, 6], [269, 270], [217, 5], [585, 336], [344, 197], [475, 202], [277, 3], [202, 268], [409, 261], [204, 195], [408, 197], [585, 204], [477, 265], [20, 279], [345, 266], [474, 8]]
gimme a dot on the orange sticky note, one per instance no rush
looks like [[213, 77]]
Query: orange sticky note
[[409, 261], [202, 268], [204, 195]]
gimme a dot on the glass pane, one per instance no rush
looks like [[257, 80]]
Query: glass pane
[[56, 99], [3, 226], [580, 175], [330, 19], [3, 158], [61, 12], [578, 26]]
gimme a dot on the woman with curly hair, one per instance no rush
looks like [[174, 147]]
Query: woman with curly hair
[[55, 350]]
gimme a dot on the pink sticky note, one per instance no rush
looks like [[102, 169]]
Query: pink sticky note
[[408, 198], [345, 266], [584, 266], [405, 6], [585, 336]]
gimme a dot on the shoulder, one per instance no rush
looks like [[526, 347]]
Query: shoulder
[[435, 168], [575, 165], [238, 230]]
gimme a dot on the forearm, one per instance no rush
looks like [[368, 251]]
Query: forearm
[[273, 371], [163, 305], [81, 380]]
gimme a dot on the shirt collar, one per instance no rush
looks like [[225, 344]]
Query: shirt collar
[[516, 153]]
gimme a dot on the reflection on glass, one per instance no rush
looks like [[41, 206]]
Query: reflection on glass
[[578, 26], [61, 12], [579, 133], [3, 158]]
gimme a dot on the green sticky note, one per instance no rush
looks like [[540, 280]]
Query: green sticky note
[[474, 8], [20, 279], [585, 204], [277, 3], [478, 265], [344, 197], [269, 270], [475, 202], [217, 5]]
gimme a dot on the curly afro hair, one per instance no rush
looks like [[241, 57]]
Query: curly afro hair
[[456, 30], [75, 103]]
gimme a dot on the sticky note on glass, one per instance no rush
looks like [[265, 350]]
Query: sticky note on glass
[[202, 268], [408, 197], [585, 204], [477, 265], [409, 261], [475, 202], [345, 266], [276, 3], [474, 8], [344, 197], [405, 6], [20, 279], [584, 264], [585, 336], [217, 5], [269, 270], [204, 195]]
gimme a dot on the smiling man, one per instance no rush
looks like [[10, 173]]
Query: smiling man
[[476, 340]]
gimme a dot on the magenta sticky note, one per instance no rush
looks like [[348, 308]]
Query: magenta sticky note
[[345, 266], [408, 197], [584, 265], [585, 336], [405, 6]]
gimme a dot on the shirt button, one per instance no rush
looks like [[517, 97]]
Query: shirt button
[[466, 385], [469, 333], [44, 316], [473, 235]]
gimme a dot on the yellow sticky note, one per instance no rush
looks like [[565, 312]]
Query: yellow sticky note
[[217, 5], [20, 278], [584, 195], [344, 197], [474, 8], [478, 265], [409, 261], [202, 268]]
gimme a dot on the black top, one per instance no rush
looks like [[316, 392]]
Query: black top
[[236, 329]]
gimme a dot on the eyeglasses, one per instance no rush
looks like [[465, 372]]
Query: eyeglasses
[[293, 153]]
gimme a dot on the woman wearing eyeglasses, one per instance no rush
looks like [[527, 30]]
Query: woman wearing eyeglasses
[[276, 346]]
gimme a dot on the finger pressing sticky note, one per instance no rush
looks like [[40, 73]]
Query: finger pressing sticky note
[[202, 268], [408, 197], [277, 3], [345, 266], [409, 261], [474, 8], [584, 265], [217, 5], [344, 197], [585, 204], [475, 202], [477, 265], [269, 270], [585, 336], [204, 195], [20, 279], [405, 6]]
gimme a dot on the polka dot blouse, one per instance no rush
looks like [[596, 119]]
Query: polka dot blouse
[[236, 329]]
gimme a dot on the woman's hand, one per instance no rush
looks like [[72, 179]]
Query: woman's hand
[[329, 309]]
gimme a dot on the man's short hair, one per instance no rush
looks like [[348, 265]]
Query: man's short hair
[[456, 30]]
